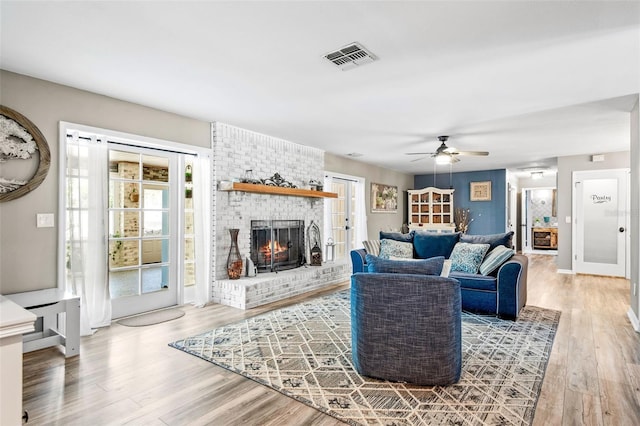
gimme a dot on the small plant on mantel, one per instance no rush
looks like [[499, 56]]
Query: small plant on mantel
[[462, 218]]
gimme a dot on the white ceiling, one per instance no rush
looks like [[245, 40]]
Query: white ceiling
[[527, 81]]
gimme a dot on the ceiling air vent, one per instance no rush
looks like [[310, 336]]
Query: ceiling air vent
[[351, 56]]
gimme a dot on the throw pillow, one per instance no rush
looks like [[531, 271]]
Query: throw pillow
[[467, 257], [372, 247], [431, 266], [495, 259], [446, 268], [397, 236], [395, 248], [494, 240], [430, 244]]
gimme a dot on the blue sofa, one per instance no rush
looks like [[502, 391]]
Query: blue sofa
[[502, 292]]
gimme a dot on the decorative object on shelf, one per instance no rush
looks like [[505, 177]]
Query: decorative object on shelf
[[313, 236], [315, 185], [384, 198], [248, 177], [188, 192], [234, 260], [187, 173], [19, 140], [277, 180], [462, 218], [480, 191], [330, 250]]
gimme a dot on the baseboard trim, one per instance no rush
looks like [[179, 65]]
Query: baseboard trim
[[635, 323], [566, 271]]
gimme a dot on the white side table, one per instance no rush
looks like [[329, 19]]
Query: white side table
[[47, 304], [14, 321]]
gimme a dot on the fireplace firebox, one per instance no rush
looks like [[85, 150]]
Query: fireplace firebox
[[277, 245]]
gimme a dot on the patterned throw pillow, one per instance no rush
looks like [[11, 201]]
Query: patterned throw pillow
[[467, 257], [495, 259], [395, 248], [431, 266], [372, 247]]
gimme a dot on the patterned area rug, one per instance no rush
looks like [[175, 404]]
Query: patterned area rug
[[304, 351]]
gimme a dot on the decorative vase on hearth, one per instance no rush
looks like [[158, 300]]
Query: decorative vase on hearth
[[234, 261]]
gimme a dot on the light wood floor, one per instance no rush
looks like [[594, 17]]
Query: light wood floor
[[128, 375]]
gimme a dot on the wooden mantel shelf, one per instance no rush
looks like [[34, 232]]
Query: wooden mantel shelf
[[277, 190]]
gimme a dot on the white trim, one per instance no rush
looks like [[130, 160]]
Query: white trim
[[566, 271], [135, 140], [635, 322]]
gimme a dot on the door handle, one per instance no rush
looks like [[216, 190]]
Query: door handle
[[621, 229]]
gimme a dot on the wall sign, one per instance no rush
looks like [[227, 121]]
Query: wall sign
[[24, 155]]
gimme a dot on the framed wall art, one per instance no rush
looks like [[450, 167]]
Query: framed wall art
[[384, 198], [24, 155], [480, 191]]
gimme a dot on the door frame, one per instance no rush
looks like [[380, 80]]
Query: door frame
[[574, 222], [526, 222], [139, 141]]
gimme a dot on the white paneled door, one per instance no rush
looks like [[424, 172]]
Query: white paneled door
[[600, 225]]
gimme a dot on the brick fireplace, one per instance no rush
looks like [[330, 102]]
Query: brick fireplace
[[236, 151]]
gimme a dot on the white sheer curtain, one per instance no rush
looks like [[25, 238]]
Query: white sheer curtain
[[202, 218], [86, 194], [362, 234]]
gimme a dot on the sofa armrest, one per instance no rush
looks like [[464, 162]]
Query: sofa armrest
[[512, 287], [358, 261]]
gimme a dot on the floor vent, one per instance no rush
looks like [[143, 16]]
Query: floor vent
[[350, 56]]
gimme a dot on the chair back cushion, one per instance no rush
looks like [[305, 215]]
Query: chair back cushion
[[431, 266]]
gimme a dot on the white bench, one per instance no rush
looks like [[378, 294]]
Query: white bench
[[49, 304]]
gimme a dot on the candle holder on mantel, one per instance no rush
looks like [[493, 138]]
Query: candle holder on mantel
[[234, 261]]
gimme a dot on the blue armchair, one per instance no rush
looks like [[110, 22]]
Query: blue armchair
[[406, 327]]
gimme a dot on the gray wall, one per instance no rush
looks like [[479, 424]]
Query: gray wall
[[566, 167], [28, 254], [376, 222], [635, 212]]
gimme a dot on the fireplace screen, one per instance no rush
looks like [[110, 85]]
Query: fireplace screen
[[277, 244]]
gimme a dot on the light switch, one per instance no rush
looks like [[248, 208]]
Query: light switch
[[44, 220], [567, 219]]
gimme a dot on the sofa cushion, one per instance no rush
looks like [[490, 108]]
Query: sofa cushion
[[397, 236], [467, 257], [475, 281], [431, 266], [495, 258], [494, 240], [372, 247], [430, 244], [395, 248]]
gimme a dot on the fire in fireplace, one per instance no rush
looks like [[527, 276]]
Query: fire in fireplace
[[277, 244]]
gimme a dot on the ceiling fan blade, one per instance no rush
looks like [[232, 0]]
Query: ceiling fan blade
[[476, 153], [454, 159], [417, 159], [418, 153]]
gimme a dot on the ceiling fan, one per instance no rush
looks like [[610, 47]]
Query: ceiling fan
[[447, 155]]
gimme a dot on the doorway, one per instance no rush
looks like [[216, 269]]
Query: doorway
[[343, 216], [539, 224], [601, 222]]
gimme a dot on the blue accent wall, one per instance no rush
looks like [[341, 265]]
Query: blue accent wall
[[489, 217]]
